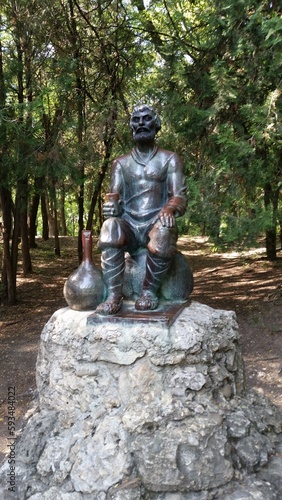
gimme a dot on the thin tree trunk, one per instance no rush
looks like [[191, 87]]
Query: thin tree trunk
[[62, 213], [270, 244], [57, 249], [271, 203], [15, 240], [44, 214], [100, 211], [33, 212], [26, 258], [21, 216], [96, 193], [80, 221], [32, 220], [8, 281], [80, 119], [8, 288], [21, 225]]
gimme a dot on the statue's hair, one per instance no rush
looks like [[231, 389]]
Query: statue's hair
[[144, 107]]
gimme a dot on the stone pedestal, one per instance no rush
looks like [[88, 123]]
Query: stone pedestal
[[145, 411]]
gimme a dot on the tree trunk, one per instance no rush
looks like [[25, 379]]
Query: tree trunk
[[62, 213], [55, 220], [57, 248], [80, 221], [100, 208], [8, 289], [280, 228], [270, 243], [8, 294], [80, 103], [24, 91], [21, 217], [32, 220], [45, 222], [26, 258], [15, 241], [271, 203], [38, 186], [8, 274]]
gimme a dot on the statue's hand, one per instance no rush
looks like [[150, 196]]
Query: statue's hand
[[111, 209], [167, 217]]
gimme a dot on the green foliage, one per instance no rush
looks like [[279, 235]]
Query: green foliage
[[211, 69]]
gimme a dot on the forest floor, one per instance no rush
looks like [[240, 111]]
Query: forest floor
[[244, 282]]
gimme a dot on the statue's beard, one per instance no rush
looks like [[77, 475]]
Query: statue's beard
[[144, 136]]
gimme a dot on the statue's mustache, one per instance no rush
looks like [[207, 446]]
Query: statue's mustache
[[142, 129]]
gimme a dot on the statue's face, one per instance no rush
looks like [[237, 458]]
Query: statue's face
[[143, 125]]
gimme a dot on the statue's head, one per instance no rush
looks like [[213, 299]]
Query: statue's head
[[144, 123]]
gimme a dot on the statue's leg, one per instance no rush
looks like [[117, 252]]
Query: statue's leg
[[161, 249], [115, 234], [156, 269], [112, 263]]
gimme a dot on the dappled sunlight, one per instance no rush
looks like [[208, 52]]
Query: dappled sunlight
[[260, 376], [243, 253], [232, 290], [230, 280]]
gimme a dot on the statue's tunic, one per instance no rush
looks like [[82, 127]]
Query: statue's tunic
[[146, 188]]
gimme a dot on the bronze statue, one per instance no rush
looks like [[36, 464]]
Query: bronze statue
[[148, 193]]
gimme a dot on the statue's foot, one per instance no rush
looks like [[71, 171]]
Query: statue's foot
[[112, 305], [147, 301]]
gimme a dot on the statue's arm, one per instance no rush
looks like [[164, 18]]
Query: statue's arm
[[116, 182], [176, 185]]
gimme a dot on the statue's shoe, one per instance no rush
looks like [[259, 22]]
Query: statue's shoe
[[111, 306], [147, 301]]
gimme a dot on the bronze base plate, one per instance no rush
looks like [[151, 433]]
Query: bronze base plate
[[165, 314]]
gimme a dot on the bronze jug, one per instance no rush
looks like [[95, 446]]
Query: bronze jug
[[84, 289]]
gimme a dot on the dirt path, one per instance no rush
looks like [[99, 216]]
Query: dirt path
[[245, 283]]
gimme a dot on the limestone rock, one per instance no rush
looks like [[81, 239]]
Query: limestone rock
[[146, 412], [252, 489]]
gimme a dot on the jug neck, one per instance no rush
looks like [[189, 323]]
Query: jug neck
[[86, 246]]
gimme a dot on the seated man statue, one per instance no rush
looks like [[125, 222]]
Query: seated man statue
[[148, 192]]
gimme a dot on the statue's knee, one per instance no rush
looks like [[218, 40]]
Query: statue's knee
[[111, 234], [163, 241], [166, 252]]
